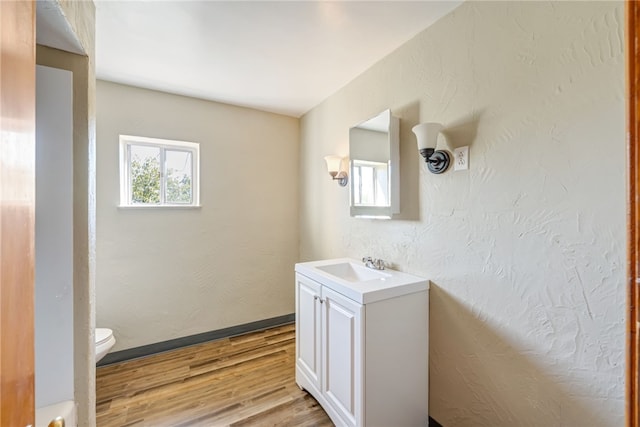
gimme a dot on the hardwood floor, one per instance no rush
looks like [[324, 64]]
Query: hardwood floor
[[241, 381]]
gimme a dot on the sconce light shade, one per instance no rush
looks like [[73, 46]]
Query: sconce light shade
[[427, 134], [334, 166], [427, 137]]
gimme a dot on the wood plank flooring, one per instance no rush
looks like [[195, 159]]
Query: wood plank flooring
[[241, 381]]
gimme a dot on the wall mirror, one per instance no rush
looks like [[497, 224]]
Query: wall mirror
[[374, 167]]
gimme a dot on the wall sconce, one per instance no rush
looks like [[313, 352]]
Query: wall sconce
[[334, 166], [427, 136]]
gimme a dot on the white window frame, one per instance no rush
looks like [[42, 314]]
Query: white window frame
[[163, 144]]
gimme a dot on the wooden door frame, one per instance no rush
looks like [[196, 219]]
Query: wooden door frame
[[632, 16]]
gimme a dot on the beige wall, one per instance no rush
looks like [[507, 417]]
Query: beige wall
[[168, 273], [526, 249]]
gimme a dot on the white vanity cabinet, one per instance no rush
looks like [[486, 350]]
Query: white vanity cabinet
[[308, 329], [362, 346], [329, 347]]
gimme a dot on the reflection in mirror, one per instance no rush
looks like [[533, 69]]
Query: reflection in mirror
[[373, 150], [371, 186]]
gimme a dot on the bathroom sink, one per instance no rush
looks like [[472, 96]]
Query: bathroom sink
[[362, 284], [353, 272]]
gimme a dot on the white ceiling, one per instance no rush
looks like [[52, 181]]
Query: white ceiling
[[279, 56]]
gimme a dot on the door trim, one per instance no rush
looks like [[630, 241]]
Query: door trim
[[632, 12]]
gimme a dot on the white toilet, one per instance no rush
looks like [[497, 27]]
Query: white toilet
[[104, 342]]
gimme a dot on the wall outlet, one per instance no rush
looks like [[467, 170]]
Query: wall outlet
[[461, 158]]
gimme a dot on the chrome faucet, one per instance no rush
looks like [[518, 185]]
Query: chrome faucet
[[376, 264]]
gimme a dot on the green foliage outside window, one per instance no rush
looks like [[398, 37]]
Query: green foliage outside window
[[145, 180], [178, 188], [145, 183]]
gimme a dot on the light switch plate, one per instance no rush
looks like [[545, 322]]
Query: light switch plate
[[461, 158]]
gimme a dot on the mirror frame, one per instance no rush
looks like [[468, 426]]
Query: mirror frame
[[393, 169]]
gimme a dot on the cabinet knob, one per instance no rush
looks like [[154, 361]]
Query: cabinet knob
[[315, 297]]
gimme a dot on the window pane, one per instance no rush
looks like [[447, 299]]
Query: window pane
[[368, 194], [382, 186], [371, 183], [179, 174], [145, 174]]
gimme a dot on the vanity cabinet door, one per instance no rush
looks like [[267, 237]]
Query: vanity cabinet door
[[342, 367], [308, 329]]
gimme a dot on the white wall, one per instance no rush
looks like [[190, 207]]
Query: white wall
[[169, 273], [526, 249], [54, 237]]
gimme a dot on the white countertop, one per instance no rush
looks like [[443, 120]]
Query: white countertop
[[394, 284]]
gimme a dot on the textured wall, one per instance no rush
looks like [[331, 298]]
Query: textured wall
[[168, 273], [526, 249]]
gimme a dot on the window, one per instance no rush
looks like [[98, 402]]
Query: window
[[158, 172], [370, 183]]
